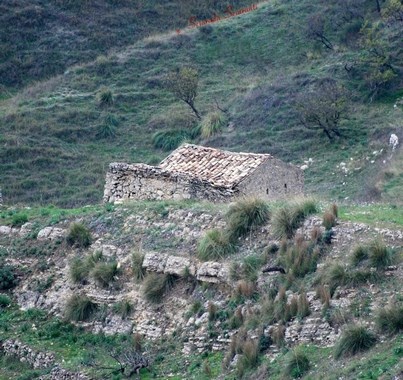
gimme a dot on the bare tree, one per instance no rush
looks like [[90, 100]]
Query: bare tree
[[183, 84], [323, 107], [316, 29]]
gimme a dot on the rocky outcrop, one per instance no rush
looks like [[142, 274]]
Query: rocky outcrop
[[51, 233], [211, 271], [59, 373], [25, 354]]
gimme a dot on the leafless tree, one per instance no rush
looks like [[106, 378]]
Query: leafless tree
[[183, 84], [316, 29], [323, 107]]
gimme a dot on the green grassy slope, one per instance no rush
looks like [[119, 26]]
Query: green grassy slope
[[41, 38], [254, 65]]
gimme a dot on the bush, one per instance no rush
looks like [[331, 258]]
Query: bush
[[297, 363], [329, 220], [170, 139], [4, 301], [215, 245], [137, 266], [104, 273], [79, 308], [245, 215], [7, 277], [79, 235], [360, 253], [380, 256], [212, 124], [19, 219], [390, 320], [155, 286], [353, 340]]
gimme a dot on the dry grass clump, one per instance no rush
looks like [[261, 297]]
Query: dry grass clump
[[79, 236], [105, 273], [137, 266], [329, 220], [245, 289], [379, 255], [155, 286]]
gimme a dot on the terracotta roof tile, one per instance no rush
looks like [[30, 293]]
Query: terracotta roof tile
[[220, 168]]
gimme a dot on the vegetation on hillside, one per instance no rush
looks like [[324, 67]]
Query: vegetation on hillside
[[261, 69]]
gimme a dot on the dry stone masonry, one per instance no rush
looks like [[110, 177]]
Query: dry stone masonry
[[197, 172]]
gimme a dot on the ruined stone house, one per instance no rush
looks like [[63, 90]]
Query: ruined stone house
[[194, 171]]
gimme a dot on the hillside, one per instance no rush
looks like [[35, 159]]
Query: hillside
[[58, 136], [134, 284]]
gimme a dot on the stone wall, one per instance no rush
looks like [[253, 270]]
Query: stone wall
[[272, 180], [144, 182]]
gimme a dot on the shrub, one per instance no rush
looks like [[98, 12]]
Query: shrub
[[390, 320], [353, 340], [4, 301], [79, 308], [379, 255], [19, 219], [123, 308], [155, 286], [329, 220], [7, 277], [105, 97], [215, 245], [170, 139], [360, 253], [104, 273], [245, 215], [297, 363], [79, 235], [137, 266], [212, 124]]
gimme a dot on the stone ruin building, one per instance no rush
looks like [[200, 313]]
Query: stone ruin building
[[194, 171]]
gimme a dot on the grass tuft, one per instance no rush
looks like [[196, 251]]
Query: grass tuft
[[155, 286], [79, 235], [215, 245], [354, 339], [104, 273], [212, 124], [297, 364], [137, 266], [79, 308], [380, 256], [245, 215], [390, 320]]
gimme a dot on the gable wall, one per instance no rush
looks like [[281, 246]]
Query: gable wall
[[273, 179]]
